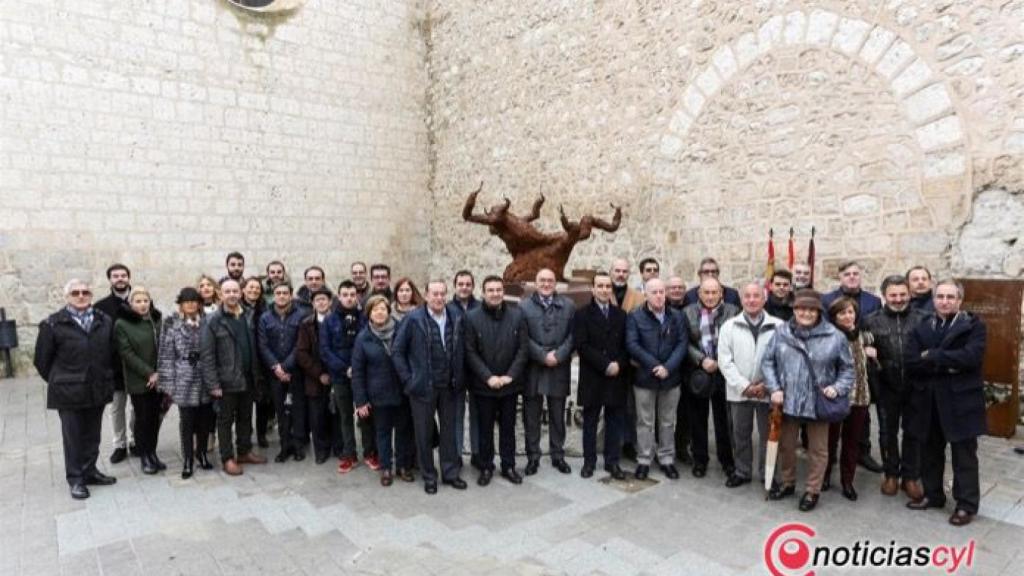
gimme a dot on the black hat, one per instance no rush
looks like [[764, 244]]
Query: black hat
[[189, 294]]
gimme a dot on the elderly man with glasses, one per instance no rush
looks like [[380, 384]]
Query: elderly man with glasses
[[75, 355], [709, 269]]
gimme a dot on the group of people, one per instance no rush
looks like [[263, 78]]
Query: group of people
[[655, 362]]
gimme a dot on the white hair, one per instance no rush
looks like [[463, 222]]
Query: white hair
[[72, 283]]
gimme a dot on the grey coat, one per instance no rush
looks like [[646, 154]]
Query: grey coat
[[221, 353], [550, 330], [785, 365], [181, 374]]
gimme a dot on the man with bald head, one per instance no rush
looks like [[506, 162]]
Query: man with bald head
[[656, 341], [623, 295], [549, 319], [704, 320], [741, 345]]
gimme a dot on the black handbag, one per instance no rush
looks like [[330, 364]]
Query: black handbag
[[825, 409], [700, 383]]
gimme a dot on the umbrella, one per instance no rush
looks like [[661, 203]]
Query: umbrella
[[772, 453]]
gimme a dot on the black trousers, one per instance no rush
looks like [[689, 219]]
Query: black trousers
[[501, 409], [699, 408], [194, 425], [264, 409], [320, 423], [532, 408], [291, 418], [614, 422], [392, 424], [683, 420], [147, 420], [902, 459], [80, 430], [966, 484], [234, 409], [442, 402]]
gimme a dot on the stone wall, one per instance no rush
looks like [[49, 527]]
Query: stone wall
[[165, 133], [876, 122]]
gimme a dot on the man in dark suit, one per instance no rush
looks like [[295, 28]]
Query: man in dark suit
[[428, 356], [74, 354], [945, 355], [600, 335]]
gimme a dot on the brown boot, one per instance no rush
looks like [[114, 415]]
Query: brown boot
[[251, 458], [890, 486], [231, 468], [913, 489]]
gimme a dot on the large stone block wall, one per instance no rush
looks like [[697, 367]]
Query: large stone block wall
[[165, 133], [877, 122]]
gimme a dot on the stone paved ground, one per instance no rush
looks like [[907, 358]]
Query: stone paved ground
[[300, 518]]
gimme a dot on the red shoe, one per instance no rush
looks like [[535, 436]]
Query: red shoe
[[372, 462], [345, 465]]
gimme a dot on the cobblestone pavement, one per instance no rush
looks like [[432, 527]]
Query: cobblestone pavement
[[300, 518]]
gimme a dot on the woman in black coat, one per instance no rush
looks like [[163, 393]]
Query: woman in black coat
[[600, 336], [75, 355]]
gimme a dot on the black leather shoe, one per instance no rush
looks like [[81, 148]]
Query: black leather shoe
[[512, 476], [699, 470], [485, 477], [778, 492], [186, 469], [321, 458], [670, 472], [457, 483], [808, 501], [156, 460], [961, 517], [642, 472], [562, 466], [203, 460], [736, 480], [100, 479], [531, 467], [148, 466], [118, 455], [869, 463], [299, 455], [79, 492], [283, 455], [925, 503], [430, 487], [616, 472], [587, 471], [849, 493]]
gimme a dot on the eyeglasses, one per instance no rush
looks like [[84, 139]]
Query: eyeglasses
[[80, 293], [711, 271]]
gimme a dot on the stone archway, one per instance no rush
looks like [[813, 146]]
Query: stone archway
[[940, 155]]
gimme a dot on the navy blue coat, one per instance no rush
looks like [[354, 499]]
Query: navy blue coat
[[337, 338], [413, 356], [867, 303], [374, 378], [277, 338], [651, 343], [947, 370]]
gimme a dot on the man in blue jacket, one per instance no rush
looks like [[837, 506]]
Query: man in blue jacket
[[656, 340], [337, 337], [428, 356], [277, 336]]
